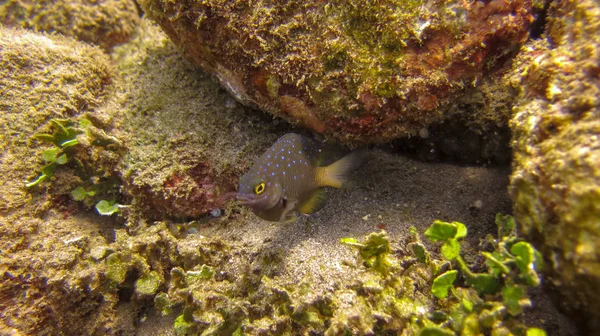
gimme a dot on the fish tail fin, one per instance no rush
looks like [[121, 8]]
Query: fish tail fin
[[336, 175]]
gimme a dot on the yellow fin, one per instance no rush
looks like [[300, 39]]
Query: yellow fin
[[336, 174], [314, 203]]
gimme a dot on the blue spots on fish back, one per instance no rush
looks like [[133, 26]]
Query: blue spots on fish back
[[289, 159]]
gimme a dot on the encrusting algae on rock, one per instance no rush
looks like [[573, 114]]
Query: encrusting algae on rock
[[188, 140], [289, 177], [354, 70], [105, 23], [391, 288], [49, 284], [555, 183]]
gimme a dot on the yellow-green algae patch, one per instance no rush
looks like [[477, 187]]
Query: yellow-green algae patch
[[224, 298], [64, 79], [49, 284], [226, 289], [555, 183], [105, 23]]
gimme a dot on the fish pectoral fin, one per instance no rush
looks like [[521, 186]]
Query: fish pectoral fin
[[336, 174], [291, 218], [289, 206], [314, 203]]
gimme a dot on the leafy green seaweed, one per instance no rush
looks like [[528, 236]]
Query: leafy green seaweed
[[63, 137], [499, 293], [107, 208]]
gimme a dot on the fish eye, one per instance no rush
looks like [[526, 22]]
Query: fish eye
[[259, 188]]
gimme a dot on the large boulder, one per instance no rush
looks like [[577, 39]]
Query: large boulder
[[354, 70], [555, 184]]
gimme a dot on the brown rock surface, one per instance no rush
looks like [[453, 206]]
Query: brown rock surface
[[356, 71]]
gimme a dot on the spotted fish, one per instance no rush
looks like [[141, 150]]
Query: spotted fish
[[288, 178]]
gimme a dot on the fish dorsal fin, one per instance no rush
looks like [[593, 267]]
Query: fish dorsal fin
[[314, 203], [336, 174]]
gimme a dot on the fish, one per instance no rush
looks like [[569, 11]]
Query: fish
[[289, 178]]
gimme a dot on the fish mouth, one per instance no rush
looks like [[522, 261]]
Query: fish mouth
[[246, 200], [257, 203], [226, 197]]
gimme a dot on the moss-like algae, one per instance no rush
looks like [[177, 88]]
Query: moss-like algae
[[105, 23], [555, 183], [187, 139], [46, 268], [357, 71]]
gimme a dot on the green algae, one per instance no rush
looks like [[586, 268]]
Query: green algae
[[289, 303], [99, 179], [148, 284], [442, 283], [496, 297], [117, 269], [107, 208], [63, 137], [379, 300], [119, 264], [76, 89], [47, 241], [467, 310], [373, 251]]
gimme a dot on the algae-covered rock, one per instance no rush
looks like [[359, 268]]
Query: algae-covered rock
[[187, 139], [366, 299], [49, 283], [555, 183], [357, 71], [105, 23], [63, 79], [54, 134]]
